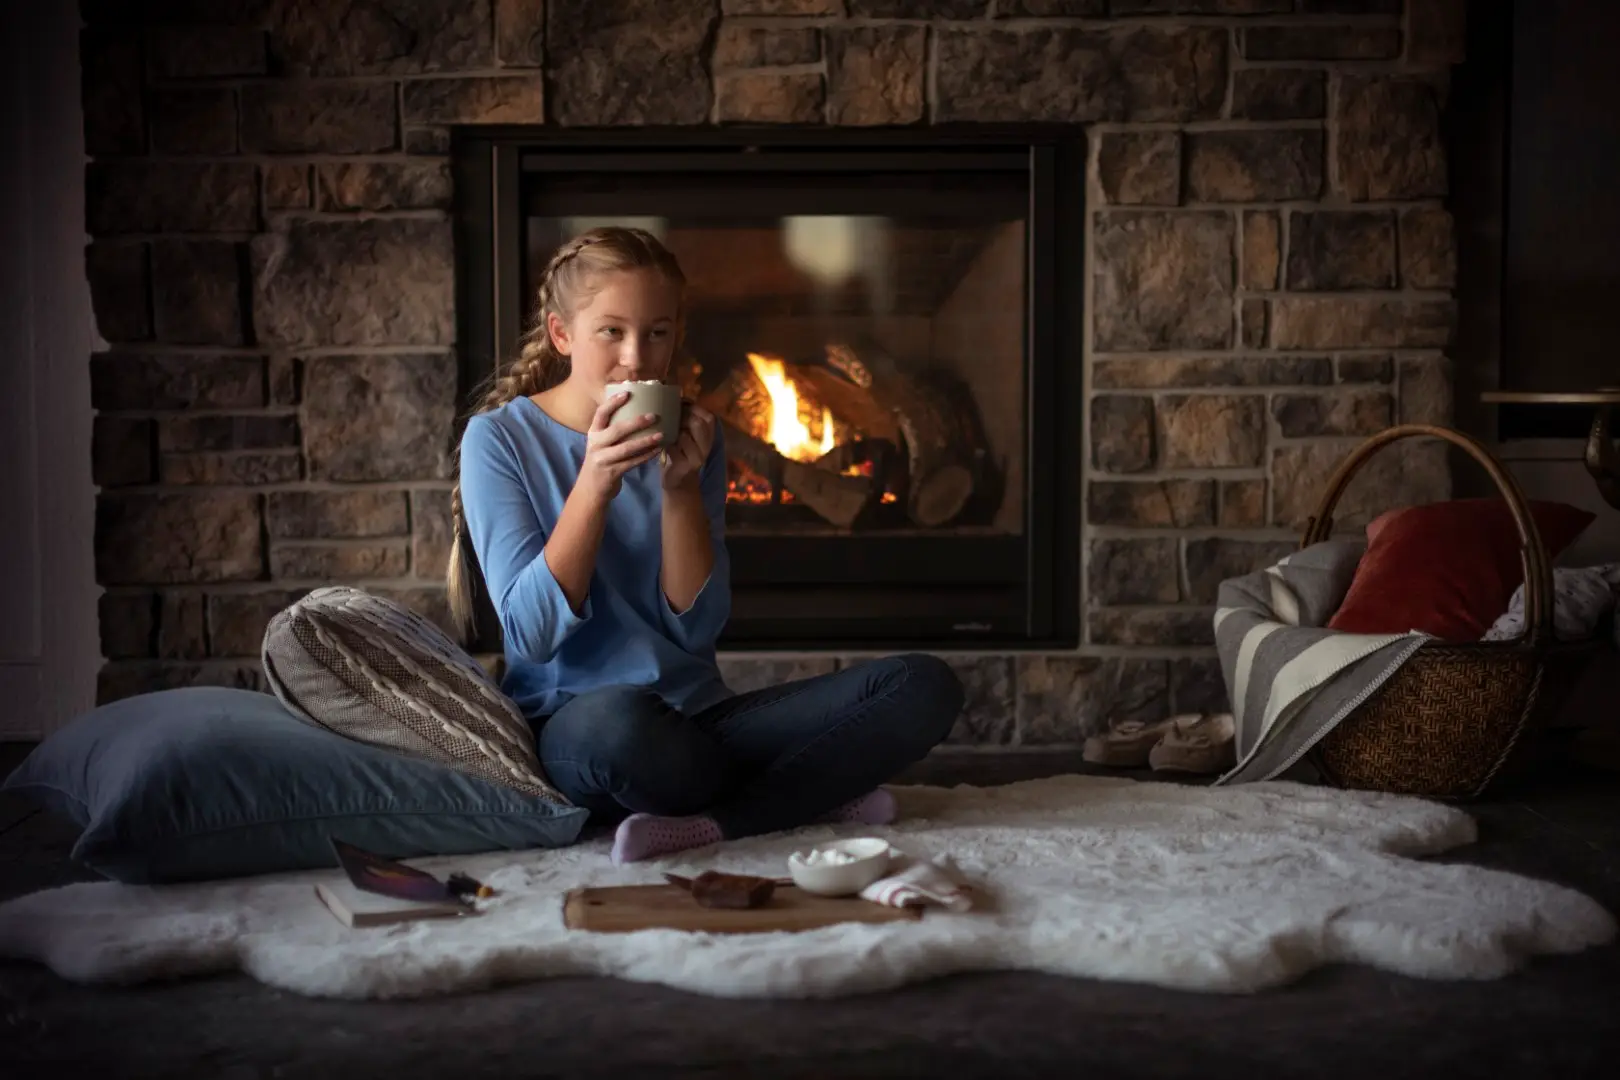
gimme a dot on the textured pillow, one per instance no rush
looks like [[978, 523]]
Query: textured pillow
[[374, 671], [1448, 569], [210, 782]]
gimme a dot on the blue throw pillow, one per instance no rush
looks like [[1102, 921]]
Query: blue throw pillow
[[210, 782]]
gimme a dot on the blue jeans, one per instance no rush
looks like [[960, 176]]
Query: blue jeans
[[757, 762]]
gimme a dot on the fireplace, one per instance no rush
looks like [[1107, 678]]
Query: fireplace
[[886, 326]]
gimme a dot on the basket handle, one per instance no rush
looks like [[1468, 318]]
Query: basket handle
[[1538, 576]]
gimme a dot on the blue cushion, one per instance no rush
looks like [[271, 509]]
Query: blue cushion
[[210, 782]]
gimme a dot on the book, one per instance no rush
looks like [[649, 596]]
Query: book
[[381, 891], [359, 908]]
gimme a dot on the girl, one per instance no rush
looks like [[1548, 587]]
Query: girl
[[604, 554]]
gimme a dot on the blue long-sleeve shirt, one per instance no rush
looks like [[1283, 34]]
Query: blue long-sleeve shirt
[[517, 467]]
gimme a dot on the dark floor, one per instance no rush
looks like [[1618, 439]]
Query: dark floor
[[1560, 1017]]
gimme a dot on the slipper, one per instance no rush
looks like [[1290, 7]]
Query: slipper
[[1200, 743], [1126, 746]]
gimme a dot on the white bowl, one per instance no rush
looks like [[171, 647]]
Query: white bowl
[[871, 862]]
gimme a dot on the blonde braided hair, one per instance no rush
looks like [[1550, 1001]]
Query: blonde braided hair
[[571, 277]]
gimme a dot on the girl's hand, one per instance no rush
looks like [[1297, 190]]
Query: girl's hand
[[615, 446], [691, 450]]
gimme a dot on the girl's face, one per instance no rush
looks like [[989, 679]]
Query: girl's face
[[625, 333]]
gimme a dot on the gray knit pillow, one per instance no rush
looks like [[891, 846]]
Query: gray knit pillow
[[376, 672]]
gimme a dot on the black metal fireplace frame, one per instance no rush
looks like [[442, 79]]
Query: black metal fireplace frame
[[860, 590]]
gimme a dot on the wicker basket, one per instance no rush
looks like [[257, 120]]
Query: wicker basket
[[1456, 720]]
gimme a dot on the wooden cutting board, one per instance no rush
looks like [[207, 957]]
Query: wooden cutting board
[[619, 909]]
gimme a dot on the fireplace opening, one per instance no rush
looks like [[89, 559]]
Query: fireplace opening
[[877, 324]]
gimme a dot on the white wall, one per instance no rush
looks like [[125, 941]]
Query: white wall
[[49, 645]]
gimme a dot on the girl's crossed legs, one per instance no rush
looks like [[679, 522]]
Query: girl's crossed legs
[[757, 762]]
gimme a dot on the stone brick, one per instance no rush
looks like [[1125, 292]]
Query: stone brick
[[197, 292], [286, 187], [283, 379], [1407, 473], [194, 121], [207, 52], [1121, 433], [1213, 560], [1140, 167], [1070, 9], [1199, 7], [1436, 32], [1279, 94], [1366, 369], [1321, 42], [181, 632], [117, 681], [918, 9], [1211, 431], [1158, 372], [1342, 322], [875, 75], [338, 562], [379, 417], [323, 118], [520, 33], [146, 539], [1341, 249], [236, 621], [112, 97], [1427, 395], [356, 37], [1256, 316], [989, 704], [337, 515], [782, 7], [769, 98], [744, 672], [1198, 686], [121, 451], [500, 99], [170, 196], [1254, 165], [1151, 504], [764, 46], [1133, 571], [1243, 504], [1163, 280], [431, 532], [1301, 416], [128, 624], [253, 431], [1389, 143], [1428, 250], [119, 285], [371, 282], [1262, 249], [628, 62], [129, 381], [1064, 699], [1172, 626], [427, 140], [1350, 7], [1069, 75], [383, 186], [247, 468]]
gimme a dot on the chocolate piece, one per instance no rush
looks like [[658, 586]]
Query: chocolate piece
[[713, 889]]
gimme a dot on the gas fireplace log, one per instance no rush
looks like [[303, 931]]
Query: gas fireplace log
[[850, 404], [837, 499], [939, 444]]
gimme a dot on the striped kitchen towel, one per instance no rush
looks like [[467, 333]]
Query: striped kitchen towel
[[921, 882]]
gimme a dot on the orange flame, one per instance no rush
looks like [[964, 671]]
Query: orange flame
[[785, 430]]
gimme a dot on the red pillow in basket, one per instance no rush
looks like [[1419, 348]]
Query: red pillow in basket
[[1447, 569]]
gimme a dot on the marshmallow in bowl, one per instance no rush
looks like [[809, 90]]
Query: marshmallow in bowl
[[820, 857]]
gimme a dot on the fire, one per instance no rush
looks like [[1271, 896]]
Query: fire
[[786, 431]]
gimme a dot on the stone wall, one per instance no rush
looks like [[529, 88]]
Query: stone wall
[[1270, 265]]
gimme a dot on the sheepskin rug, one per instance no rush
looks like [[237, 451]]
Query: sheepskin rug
[[1212, 889]]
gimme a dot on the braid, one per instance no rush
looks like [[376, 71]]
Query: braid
[[539, 366]]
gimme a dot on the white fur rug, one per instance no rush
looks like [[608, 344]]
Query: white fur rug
[[1216, 889]]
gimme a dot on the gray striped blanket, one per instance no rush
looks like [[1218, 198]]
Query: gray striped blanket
[[1289, 678]]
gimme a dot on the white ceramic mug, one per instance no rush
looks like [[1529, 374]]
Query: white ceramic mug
[[659, 398]]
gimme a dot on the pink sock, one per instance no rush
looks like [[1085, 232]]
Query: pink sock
[[876, 807], [646, 836]]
